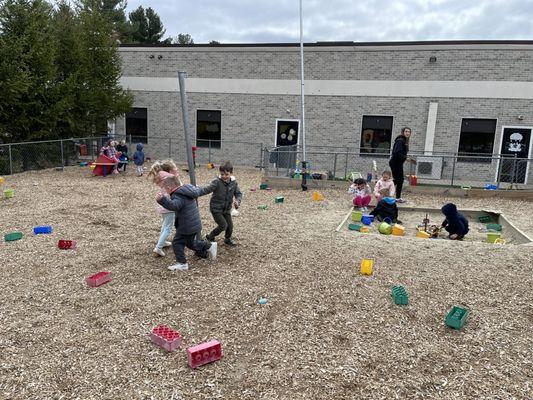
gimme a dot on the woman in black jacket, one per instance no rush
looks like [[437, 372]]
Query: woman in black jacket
[[398, 157]]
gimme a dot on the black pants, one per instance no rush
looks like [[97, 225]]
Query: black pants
[[224, 222], [180, 241], [397, 176]]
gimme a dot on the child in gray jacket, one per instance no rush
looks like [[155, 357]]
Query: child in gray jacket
[[226, 193]]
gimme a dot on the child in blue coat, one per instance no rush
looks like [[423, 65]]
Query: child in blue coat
[[138, 159], [455, 223]]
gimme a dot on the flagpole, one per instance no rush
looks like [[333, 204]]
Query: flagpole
[[304, 161]]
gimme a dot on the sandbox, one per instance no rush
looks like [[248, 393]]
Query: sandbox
[[485, 225]]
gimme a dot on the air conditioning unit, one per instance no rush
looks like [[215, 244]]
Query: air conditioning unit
[[429, 167]]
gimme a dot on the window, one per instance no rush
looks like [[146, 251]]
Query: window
[[376, 133], [477, 139], [208, 128], [137, 125]]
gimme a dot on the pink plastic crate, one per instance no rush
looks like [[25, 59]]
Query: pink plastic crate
[[67, 244], [204, 353], [166, 337], [98, 279]]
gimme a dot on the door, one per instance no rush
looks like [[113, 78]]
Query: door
[[515, 151]]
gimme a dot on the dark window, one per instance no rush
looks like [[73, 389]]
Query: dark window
[[208, 128], [137, 125], [477, 139], [376, 134]]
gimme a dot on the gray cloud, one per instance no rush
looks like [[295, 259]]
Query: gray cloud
[[249, 21]]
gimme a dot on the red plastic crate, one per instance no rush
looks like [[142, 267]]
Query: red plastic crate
[[204, 353], [98, 279], [67, 244], [166, 337]]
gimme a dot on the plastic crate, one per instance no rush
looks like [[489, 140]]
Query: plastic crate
[[67, 244], [399, 295], [98, 279], [43, 229], [367, 265], [279, 199], [166, 337], [263, 186], [456, 318], [10, 237], [9, 193], [204, 353]]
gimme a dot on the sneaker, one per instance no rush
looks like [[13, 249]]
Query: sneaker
[[159, 251], [167, 244], [178, 267], [213, 251], [230, 242]]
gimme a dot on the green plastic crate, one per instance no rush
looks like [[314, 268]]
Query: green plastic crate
[[354, 227], [399, 295], [484, 219], [494, 227], [456, 318], [10, 237]]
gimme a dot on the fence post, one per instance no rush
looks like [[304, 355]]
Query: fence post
[[260, 156], [62, 156], [514, 171], [453, 169], [499, 171], [346, 163], [209, 154], [10, 162], [335, 166]]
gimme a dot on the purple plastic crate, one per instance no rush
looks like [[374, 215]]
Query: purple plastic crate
[[166, 337]]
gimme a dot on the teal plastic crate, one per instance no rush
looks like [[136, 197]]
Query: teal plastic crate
[[399, 295], [494, 227], [456, 318], [484, 219]]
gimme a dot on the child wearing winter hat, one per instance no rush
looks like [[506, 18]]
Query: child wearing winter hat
[[455, 223]]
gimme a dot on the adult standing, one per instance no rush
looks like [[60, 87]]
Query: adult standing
[[398, 157]]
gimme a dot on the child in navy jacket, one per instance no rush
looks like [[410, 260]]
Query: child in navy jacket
[[455, 223]]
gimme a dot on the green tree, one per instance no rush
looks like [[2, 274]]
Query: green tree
[[99, 93], [214, 42], [115, 10], [184, 38], [28, 100], [147, 26]]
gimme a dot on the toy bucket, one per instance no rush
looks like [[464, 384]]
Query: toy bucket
[[385, 228], [364, 229], [367, 219], [398, 230], [9, 193], [499, 241], [2, 180], [493, 236], [356, 216]]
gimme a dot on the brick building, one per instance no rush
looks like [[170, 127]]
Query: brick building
[[470, 97]]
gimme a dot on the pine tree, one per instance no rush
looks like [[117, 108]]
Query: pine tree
[[28, 99], [146, 26], [99, 93], [184, 38]]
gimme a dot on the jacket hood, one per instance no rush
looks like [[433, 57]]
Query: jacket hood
[[449, 210], [389, 200], [187, 190], [139, 146]]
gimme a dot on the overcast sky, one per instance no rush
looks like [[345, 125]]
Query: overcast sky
[[260, 21]]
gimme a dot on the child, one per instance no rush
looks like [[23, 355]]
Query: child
[[138, 159], [384, 183], [386, 208], [362, 193], [123, 149], [224, 189], [188, 224], [158, 172], [110, 151], [455, 223]]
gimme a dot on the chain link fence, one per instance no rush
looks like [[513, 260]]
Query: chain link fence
[[444, 169], [324, 162]]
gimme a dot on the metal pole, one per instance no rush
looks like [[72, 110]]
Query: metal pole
[[304, 161], [335, 166], [346, 163], [62, 157], [209, 154], [453, 170], [499, 171], [181, 76], [10, 162]]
